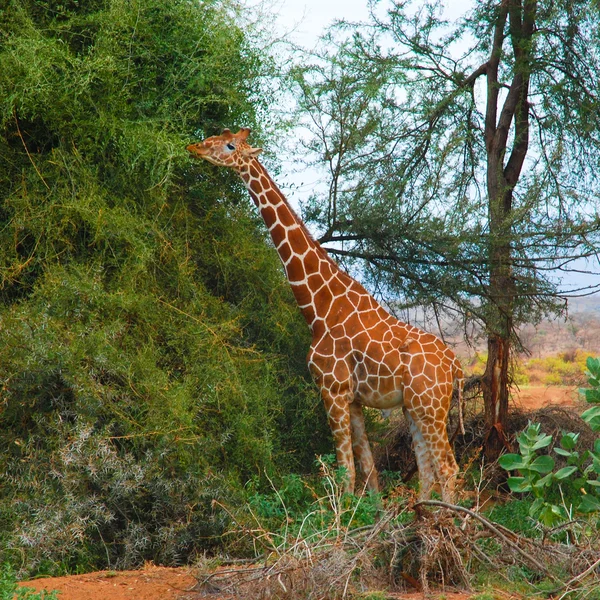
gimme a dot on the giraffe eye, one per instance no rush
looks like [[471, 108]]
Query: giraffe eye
[[231, 146]]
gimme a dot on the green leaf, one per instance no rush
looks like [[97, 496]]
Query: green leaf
[[565, 472], [592, 396], [518, 484], [550, 514], [543, 442], [591, 413], [589, 504], [543, 482], [542, 464], [569, 441], [594, 482], [510, 462], [593, 366], [563, 452], [535, 508]]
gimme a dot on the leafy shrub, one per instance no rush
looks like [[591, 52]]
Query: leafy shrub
[[304, 507], [577, 485], [9, 590], [152, 355], [568, 368]]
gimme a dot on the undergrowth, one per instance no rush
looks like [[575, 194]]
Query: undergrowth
[[9, 590]]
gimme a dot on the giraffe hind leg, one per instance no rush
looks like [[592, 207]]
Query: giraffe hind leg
[[435, 457]]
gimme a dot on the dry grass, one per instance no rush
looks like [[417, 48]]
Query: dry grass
[[440, 548]]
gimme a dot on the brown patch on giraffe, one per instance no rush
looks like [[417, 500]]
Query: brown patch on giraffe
[[257, 188], [325, 346], [337, 287], [285, 215], [322, 301], [302, 295], [268, 214], [314, 280], [309, 314], [417, 363], [341, 371], [264, 182], [298, 240], [326, 269], [278, 234], [285, 252], [295, 269], [311, 262], [352, 325]]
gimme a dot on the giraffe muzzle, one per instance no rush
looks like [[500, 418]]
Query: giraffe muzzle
[[198, 150]]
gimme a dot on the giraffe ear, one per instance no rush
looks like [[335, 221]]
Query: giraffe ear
[[254, 152], [244, 132]]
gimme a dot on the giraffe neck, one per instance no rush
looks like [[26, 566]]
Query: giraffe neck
[[307, 266]]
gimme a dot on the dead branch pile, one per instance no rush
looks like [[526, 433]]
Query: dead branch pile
[[442, 547], [394, 453]]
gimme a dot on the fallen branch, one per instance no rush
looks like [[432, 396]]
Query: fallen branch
[[494, 529]]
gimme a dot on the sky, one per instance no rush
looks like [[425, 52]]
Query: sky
[[309, 18]]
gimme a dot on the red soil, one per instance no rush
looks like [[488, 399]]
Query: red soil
[[149, 583]]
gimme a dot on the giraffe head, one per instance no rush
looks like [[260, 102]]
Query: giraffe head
[[226, 150]]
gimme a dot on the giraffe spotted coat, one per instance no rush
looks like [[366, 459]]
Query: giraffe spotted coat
[[360, 355]]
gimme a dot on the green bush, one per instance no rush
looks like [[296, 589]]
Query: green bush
[[152, 355], [574, 489], [9, 590]]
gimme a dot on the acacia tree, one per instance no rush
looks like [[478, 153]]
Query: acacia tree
[[462, 160]]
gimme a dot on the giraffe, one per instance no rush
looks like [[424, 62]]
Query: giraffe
[[360, 355]]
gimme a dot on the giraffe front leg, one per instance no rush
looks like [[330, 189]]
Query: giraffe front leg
[[362, 448], [338, 414], [424, 464]]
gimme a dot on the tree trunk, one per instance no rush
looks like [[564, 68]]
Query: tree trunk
[[503, 171], [495, 393]]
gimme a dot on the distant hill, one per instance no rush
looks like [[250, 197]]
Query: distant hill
[[580, 329]]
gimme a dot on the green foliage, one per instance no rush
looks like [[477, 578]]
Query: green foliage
[[514, 515], [592, 394], [152, 356], [9, 590], [302, 508], [558, 494], [564, 369]]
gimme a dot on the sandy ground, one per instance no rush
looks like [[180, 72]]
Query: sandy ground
[[149, 583], [531, 398], [161, 583]]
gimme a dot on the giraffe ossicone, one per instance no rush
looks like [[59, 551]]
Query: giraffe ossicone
[[360, 355]]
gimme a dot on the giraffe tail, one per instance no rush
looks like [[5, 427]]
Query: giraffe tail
[[459, 380]]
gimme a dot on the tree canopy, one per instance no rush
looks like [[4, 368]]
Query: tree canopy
[[462, 158], [152, 357]]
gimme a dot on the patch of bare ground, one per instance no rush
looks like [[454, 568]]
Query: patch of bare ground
[[149, 583], [164, 583], [536, 397]]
